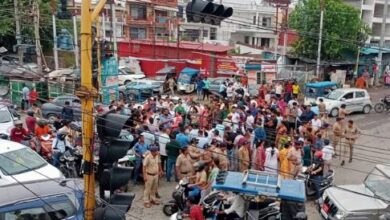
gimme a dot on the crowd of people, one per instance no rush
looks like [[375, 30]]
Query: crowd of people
[[274, 132]]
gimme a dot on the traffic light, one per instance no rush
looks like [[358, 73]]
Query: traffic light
[[207, 12], [111, 177]]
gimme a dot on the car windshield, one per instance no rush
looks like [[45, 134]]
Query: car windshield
[[5, 116], [334, 95], [20, 161], [378, 184], [52, 210]]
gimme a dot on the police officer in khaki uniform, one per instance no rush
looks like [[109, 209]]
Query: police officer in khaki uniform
[[221, 152], [350, 135], [194, 152], [151, 171], [337, 133], [183, 164]]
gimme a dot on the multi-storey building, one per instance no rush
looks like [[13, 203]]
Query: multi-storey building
[[372, 12], [151, 19]]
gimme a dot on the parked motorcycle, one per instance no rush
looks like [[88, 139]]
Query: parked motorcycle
[[326, 182], [383, 104], [178, 203], [68, 164]]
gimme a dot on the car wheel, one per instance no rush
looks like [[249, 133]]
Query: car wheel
[[334, 112], [366, 109], [51, 118]]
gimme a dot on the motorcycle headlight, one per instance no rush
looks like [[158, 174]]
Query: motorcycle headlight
[[340, 214]]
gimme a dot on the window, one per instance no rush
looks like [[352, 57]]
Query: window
[[161, 32], [348, 95], [138, 12], [246, 39], [205, 33], [213, 33], [5, 116], [260, 78], [20, 161], [360, 94], [180, 13], [137, 33], [266, 22], [265, 42], [254, 19], [192, 34]]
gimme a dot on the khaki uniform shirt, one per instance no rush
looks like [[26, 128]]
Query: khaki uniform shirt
[[322, 107], [243, 155], [223, 158], [351, 133], [151, 164], [195, 153], [337, 129], [184, 163]]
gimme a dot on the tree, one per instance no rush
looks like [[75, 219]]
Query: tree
[[343, 30], [7, 23]]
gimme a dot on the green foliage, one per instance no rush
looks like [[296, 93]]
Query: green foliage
[[343, 30], [7, 23]]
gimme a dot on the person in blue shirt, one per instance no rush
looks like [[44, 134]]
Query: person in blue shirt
[[59, 146], [67, 112], [259, 132], [140, 149], [199, 87], [307, 115], [182, 138], [166, 119]]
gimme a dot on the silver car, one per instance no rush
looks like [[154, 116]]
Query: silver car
[[356, 100], [369, 200]]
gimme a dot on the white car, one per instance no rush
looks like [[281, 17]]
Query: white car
[[356, 100], [125, 75], [19, 163], [6, 120]]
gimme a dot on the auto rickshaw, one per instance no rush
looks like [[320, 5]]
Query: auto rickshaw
[[186, 82], [266, 195], [139, 93], [314, 90]]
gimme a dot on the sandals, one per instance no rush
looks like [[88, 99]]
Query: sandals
[[155, 202], [147, 205]]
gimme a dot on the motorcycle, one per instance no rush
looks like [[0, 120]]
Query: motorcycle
[[326, 182], [67, 163], [42, 145], [178, 203], [383, 104]]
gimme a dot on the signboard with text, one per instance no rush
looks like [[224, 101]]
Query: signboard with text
[[109, 79]]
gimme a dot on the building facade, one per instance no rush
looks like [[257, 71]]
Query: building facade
[[372, 12], [155, 19]]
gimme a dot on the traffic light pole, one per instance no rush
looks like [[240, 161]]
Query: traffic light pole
[[87, 93]]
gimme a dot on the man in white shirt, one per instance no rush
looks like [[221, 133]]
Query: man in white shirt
[[237, 208], [327, 155], [150, 139], [316, 123], [250, 120], [163, 140], [235, 118]]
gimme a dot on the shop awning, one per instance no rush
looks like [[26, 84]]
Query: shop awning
[[190, 71]]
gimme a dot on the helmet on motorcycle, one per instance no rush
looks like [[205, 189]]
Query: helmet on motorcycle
[[18, 122], [200, 165], [42, 122], [30, 113]]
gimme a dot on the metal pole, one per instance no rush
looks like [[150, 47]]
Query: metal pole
[[18, 34], [285, 38], [381, 42], [104, 26], [76, 43], [320, 39], [55, 51], [113, 8], [87, 97], [177, 39], [276, 31], [37, 37]]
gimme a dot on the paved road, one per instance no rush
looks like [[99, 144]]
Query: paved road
[[371, 148]]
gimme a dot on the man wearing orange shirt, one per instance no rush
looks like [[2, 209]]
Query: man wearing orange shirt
[[42, 129]]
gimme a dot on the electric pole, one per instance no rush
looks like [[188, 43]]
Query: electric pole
[[113, 9], [320, 38], [18, 34], [55, 50], [37, 37], [381, 42], [87, 94]]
